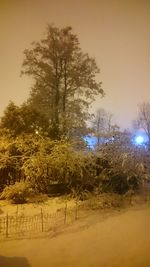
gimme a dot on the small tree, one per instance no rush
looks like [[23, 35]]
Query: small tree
[[12, 119], [23, 119]]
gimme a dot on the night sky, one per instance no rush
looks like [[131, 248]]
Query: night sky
[[115, 32]]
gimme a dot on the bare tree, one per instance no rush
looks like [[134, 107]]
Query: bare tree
[[103, 125], [143, 120]]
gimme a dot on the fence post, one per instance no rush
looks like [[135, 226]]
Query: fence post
[[17, 210], [145, 192], [76, 211], [65, 213], [42, 220], [7, 225]]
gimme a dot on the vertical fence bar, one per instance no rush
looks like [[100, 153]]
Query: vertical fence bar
[[65, 213], [76, 211], [145, 193], [0, 225], [17, 211], [42, 220], [130, 199], [7, 225], [19, 224]]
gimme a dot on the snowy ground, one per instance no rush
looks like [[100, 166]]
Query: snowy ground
[[114, 239], [50, 205]]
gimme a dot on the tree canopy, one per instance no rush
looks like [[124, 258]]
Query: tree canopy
[[65, 81], [23, 119]]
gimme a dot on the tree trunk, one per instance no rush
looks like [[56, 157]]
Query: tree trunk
[[64, 100]]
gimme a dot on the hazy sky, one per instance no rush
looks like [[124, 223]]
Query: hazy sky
[[115, 32]]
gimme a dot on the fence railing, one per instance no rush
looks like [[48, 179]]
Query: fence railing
[[23, 226]]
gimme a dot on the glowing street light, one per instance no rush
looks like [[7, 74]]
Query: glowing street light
[[139, 140]]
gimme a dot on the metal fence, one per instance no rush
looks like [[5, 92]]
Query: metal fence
[[26, 226], [22, 226]]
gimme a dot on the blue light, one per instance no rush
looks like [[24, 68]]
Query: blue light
[[91, 141], [139, 140]]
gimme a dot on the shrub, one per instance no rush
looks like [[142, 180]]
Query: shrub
[[36, 171], [17, 193], [64, 165], [123, 169]]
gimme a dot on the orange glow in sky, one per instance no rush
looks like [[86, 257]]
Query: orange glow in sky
[[115, 32]]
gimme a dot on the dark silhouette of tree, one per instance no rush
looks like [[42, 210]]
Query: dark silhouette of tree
[[64, 81], [12, 119], [23, 119]]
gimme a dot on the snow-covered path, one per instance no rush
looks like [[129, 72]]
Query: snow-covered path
[[122, 240]]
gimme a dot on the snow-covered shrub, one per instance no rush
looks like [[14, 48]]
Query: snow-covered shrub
[[63, 165], [123, 168], [17, 193]]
